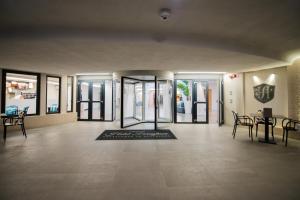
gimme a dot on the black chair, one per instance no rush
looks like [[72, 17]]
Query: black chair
[[283, 124], [261, 120], [291, 125], [242, 121], [19, 120]]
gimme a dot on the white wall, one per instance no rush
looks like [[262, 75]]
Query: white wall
[[279, 103], [233, 96]]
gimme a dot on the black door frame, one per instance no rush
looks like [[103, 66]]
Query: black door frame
[[221, 102], [194, 106], [90, 100], [155, 101]]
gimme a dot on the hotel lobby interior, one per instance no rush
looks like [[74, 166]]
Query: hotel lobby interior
[[160, 99]]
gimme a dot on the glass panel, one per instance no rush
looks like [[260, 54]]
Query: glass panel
[[69, 94], [20, 93], [108, 100], [84, 91], [129, 103], [201, 91], [139, 101], [118, 100], [201, 112], [96, 110], [84, 110], [53, 89], [97, 91], [164, 101], [149, 101], [184, 100]]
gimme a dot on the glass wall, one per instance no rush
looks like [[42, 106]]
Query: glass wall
[[53, 94], [70, 94], [21, 92], [184, 100], [164, 100]]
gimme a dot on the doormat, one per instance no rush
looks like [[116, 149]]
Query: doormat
[[161, 134]]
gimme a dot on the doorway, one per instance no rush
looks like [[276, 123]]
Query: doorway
[[94, 100], [191, 101]]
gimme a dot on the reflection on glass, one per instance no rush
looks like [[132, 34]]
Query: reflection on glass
[[84, 91], [149, 101], [184, 100], [108, 99], [139, 101], [20, 93], [96, 110], [84, 110], [97, 91], [53, 89], [201, 112], [69, 93], [164, 99]]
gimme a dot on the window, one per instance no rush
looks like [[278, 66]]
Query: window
[[20, 92], [53, 94], [70, 94]]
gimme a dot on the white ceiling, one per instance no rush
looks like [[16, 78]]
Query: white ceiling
[[67, 37]]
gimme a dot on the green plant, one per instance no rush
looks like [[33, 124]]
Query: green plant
[[183, 86]]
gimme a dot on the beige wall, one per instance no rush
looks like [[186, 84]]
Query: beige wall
[[294, 90], [280, 101], [50, 119], [233, 96]]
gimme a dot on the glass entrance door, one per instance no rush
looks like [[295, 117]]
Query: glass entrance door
[[91, 100], [200, 102], [138, 102], [191, 101]]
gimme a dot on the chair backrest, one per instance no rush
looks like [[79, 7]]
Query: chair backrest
[[26, 110], [235, 116]]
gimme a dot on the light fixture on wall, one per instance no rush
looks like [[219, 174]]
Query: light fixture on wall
[[232, 76]]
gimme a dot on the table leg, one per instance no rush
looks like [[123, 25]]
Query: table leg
[[266, 139]]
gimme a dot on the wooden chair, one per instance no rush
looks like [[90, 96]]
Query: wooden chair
[[291, 125], [242, 121], [261, 120]]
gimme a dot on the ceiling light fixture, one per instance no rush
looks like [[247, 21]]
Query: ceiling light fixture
[[165, 13], [200, 73]]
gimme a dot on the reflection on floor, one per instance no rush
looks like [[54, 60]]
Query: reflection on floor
[[66, 162]]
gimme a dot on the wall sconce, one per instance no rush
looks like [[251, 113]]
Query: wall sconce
[[232, 76]]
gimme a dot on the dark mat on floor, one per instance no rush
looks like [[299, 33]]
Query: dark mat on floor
[[136, 135]]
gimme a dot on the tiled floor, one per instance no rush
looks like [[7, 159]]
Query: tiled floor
[[66, 162]]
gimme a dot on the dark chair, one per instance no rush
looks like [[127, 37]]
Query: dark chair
[[19, 120], [283, 124], [261, 120], [291, 125], [242, 121]]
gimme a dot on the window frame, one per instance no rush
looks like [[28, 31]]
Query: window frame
[[3, 89], [59, 95], [72, 93]]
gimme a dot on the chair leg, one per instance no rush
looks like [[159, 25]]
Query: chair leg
[[4, 133], [251, 134], [234, 131], [283, 134], [286, 137], [23, 130], [256, 130]]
